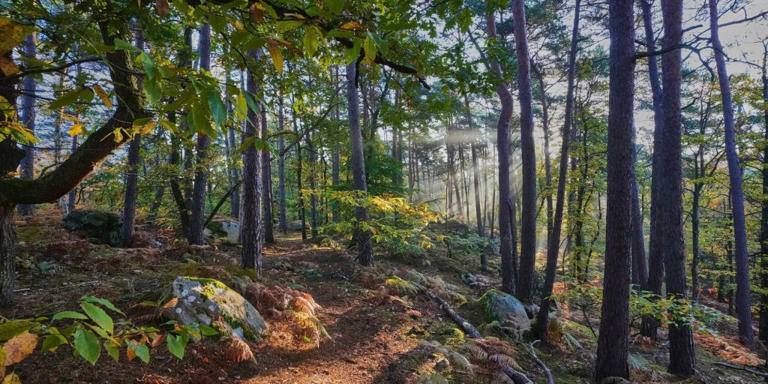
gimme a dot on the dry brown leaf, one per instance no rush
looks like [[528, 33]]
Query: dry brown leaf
[[19, 347]]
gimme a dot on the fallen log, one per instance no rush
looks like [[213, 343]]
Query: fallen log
[[742, 368], [516, 376]]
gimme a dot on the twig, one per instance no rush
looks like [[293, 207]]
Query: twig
[[742, 368], [547, 371]]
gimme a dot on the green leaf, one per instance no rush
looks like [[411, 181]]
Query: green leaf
[[311, 41], [69, 315], [208, 330], [241, 106], [69, 98], [217, 107], [52, 342], [99, 316], [353, 53], [335, 6], [151, 89], [177, 344], [122, 45], [148, 64], [369, 46], [87, 345], [112, 350], [252, 103], [97, 300], [10, 329], [142, 351]]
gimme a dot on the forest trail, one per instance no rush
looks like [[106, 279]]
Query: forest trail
[[374, 335]]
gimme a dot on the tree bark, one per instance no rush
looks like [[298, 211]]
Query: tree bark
[[266, 181], [203, 141], [132, 176], [612, 344], [764, 212], [528, 215], [743, 299], [28, 120], [250, 226], [553, 247], [362, 237], [650, 324], [506, 216], [282, 217]]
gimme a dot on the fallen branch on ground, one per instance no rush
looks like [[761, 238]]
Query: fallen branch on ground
[[516, 376], [547, 372], [742, 368]]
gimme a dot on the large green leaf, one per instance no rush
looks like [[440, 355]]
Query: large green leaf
[[10, 329], [177, 344], [97, 300], [52, 342], [217, 107], [82, 94], [69, 315], [99, 316], [87, 345], [142, 351]]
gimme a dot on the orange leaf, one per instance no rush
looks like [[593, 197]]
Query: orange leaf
[[351, 26], [19, 347]]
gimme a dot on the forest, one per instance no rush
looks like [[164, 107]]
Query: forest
[[383, 191]]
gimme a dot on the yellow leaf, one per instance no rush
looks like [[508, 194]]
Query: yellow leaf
[[19, 347], [276, 55], [13, 34], [76, 130], [118, 135], [171, 303], [257, 12], [102, 95], [144, 129], [12, 378], [351, 26]]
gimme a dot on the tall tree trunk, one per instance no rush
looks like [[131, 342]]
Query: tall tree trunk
[[528, 218], [282, 217], [336, 157], [298, 180], [506, 216], [266, 181], [311, 160], [743, 299], [475, 173], [28, 119], [639, 265], [764, 212], [553, 247], [131, 175], [650, 324], [197, 219], [612, 344], [250, 235], [547, 161], [362, 237], [7, 255]]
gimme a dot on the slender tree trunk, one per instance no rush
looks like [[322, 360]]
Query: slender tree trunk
[[282, 217], [311, 160], [266, 181], [28, 119], [250, 226], [362, 237], [553, 247], [528, 218], [650, 324], [336, 158], [695, 239], [506, 210], [613, 340], [131, 176], [547, 161], [299, 181], [639, 265], [764, 212], [743, 299], [197, 218]]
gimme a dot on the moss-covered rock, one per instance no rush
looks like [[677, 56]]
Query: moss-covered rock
[[506, 309], [97, 226], [211, 302]]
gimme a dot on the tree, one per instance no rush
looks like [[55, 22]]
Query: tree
[[362, 236], [250, 225], [553, 247], [612, 344], [743, 299], [506, 216], [681, 352], [528, 219], [131, 175], [28, 119], [197, 218]]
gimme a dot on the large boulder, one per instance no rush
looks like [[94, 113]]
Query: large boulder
[[224, 228], [96, 226], [506, 309], [210, 302]]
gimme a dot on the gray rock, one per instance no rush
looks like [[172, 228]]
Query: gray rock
[[224, 228], [205, 301], [506, 309]]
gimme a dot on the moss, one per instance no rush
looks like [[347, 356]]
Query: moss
[[402, 287], [452, 336]]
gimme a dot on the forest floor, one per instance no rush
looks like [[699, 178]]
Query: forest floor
[[374, 335]]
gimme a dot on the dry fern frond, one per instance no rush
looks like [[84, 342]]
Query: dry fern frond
[[238, 350]]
